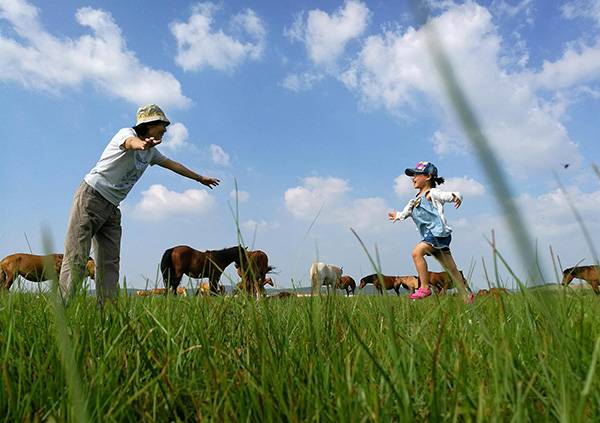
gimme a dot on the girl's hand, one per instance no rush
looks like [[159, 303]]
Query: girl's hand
[[392, 215], [209, 182], [456, 200]]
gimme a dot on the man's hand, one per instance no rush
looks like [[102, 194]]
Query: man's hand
[[209, 182], [135, 143], [148, 143]]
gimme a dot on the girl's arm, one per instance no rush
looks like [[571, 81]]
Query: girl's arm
[[446, 197], [396, 215], [184, 171]]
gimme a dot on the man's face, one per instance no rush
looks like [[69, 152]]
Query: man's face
[[156, 130]]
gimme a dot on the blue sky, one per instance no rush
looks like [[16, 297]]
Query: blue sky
[[309, 106]]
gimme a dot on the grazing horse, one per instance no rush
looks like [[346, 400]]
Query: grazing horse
[[492, 291], [253, 271], [184, 260], [324, 274], [347, 283], [590, 274], [161, 291], [35, 268], [241, 286], [442, 281], [409, 283], [204, 289]]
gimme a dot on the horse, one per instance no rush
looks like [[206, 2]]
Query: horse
[[253, 271], [347, 283], [35, 268], [590, 274], [161, 291], [442, 281], [410, 283], [324, 274], [204, 289], [184, 260], [241, 286], [492, 291]]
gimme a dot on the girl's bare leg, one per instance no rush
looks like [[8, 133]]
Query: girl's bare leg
[[418, 255], [447, 262]]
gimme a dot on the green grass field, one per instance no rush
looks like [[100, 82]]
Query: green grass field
[[367, 358]]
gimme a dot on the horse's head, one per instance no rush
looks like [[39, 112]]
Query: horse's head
[[363, 282], [90, 267], [568, 276]]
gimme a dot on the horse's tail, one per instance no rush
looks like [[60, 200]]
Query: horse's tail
[[314, 276], [166, 267]]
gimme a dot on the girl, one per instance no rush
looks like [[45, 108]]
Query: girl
[[427, 211]]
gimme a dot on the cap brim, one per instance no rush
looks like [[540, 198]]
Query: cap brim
[[410, 172]]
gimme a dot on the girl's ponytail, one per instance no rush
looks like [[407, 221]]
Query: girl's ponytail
[[436, 181]]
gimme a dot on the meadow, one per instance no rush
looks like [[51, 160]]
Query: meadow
[[531, 355]]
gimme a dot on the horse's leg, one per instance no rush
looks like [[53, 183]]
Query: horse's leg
[[594, 283], [397, 289]]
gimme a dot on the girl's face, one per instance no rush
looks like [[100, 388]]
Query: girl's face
[[421, 181]]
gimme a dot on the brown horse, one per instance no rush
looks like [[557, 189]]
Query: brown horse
[[253, 271], [390, 282], [347, 283], [35, 268], [184, 260], [590, 274], [442, 281]]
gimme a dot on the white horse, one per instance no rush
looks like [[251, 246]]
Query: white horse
[[324, 274]]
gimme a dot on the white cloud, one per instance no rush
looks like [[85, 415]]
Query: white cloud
[[39, 60], [329, 199], [176, 138], [403, 186], [158, 202], [302, 81], [394, 70], [582, 9], [200, 46], [467, 186], [577, 65], [444, 144], [242, 196], [219, 156], [550, 212], [325, 36]]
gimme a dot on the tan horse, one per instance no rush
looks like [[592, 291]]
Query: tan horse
[[161, 291], [590, 274], [35, 268], [204, 289], [410, 283]]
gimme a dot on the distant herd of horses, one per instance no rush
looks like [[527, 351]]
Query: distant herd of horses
[[252, 267]]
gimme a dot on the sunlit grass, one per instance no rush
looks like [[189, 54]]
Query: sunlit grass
[[367, 357]]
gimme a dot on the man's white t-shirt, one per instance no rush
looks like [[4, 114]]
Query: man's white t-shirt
[[118, 170]]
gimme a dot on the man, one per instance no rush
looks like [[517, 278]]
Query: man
[[95, 213]]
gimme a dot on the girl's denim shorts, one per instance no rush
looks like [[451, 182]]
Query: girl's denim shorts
[[441, 243]]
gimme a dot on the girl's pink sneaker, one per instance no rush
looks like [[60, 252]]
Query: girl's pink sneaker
[[420, 293]]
